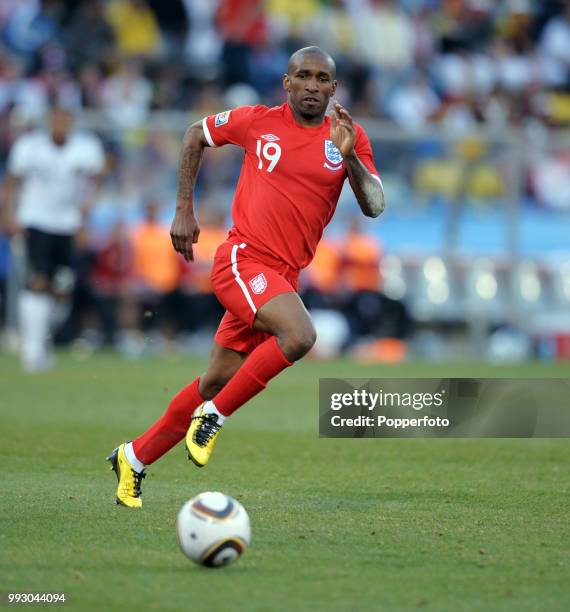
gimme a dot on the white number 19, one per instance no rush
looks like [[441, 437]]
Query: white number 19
[[271, 152]]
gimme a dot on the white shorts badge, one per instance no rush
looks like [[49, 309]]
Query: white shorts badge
[[222, 118], [258, 283], [333, 155]]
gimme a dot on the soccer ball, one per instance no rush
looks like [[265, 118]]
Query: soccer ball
[[213, 529]]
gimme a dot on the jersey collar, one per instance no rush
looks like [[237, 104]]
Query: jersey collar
[[290, 119]]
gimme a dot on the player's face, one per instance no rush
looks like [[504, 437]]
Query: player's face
[[310, 84], [61, 122]]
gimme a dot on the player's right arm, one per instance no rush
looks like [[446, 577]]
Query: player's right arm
[[185, 230], [8, 207], [20, 161], [229, 127]]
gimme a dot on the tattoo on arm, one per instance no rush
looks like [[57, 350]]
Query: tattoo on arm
[[190, 159], [367, 189]]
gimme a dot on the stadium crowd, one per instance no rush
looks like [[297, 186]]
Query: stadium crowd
[[409, 61], [457, 63]]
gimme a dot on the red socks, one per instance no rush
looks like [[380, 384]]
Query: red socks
[[263, 364], [170, 428]]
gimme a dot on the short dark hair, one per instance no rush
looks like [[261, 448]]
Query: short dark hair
[[313, 50]]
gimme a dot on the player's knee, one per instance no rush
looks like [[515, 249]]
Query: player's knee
[[297, 343], [211, 383]]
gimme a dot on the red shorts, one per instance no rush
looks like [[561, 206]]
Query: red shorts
[[243, 283]]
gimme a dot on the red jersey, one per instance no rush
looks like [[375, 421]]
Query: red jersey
[[290, 180]]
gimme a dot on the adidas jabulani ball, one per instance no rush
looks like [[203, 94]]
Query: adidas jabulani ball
[[213, 529]]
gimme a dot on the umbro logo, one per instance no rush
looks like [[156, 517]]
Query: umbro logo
[[269, 137]]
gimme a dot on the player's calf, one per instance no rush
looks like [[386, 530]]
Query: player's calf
[[212, 382], [224, 363]]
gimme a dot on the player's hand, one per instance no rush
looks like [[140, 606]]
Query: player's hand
[[343, 133], [12, 227], [184, 232]]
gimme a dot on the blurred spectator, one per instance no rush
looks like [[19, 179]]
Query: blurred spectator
[[555, 45], [202, 309], [156, 273], [90, 82], [514, 71], [243, 26], [320, 280], [212, 233], [203, 42], [368, 311], [384, 35], [90, 38], [26, 95], [61, 89], [30, 25], [551, 182], [289, 19], [497, 108], [359, 279], [32, 96], [452, 73], [518, 23], [168, 88], [383, 39], [127, 95], [172, 20], [425, 40], [459, 114], [82, 301], [266, 64], [110, 280], [331, 29], [136, 28], [413, 104], [360, 260]]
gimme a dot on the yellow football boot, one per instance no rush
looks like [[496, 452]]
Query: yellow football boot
[[201, 436], [129, 488]]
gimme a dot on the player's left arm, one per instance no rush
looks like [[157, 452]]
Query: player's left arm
[[20, 161], [93, 189], [366, 186], [93, 164]]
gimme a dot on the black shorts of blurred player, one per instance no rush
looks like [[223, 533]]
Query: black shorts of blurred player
[[49, 261]]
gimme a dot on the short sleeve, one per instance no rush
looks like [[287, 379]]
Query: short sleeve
[[20, 159], [363, 149], [93, 156], [229, 127]]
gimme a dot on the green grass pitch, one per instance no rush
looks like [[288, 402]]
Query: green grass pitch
[[337, 524]]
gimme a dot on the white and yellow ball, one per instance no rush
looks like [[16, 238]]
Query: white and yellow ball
[[213, 529]]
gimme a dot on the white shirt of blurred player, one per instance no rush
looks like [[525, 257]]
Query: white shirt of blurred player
[[54, 179]]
